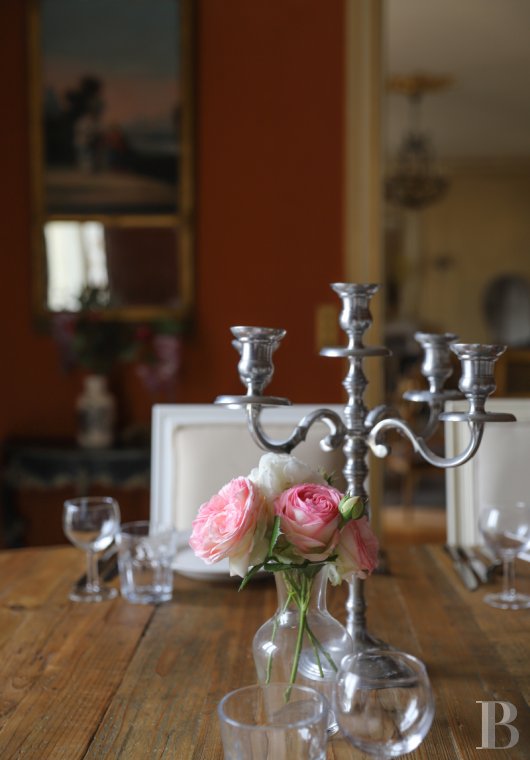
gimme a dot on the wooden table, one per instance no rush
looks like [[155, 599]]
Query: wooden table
[[115, 680]]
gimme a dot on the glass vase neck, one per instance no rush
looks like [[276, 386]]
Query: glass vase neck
[[285, 581]]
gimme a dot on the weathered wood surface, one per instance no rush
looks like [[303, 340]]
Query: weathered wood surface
[[116, 680]]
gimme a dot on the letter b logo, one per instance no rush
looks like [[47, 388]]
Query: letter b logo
[[509, 714]]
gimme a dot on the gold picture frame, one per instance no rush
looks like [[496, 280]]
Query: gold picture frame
[[112, 155]]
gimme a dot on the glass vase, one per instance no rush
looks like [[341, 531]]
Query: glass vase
[[302, 643], [96, 410]]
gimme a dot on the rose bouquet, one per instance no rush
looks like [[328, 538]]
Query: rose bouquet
[[285, 517]]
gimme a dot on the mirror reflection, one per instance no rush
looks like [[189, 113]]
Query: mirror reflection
[[135, 268], [457, 177], [460, 262]]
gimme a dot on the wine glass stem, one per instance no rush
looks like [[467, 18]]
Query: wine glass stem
[[508, 577], [92, 575]]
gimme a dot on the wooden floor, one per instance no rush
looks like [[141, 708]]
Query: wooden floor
[[415, 515], [412, 525]]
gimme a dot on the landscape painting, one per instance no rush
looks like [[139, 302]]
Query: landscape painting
[[111, 105]]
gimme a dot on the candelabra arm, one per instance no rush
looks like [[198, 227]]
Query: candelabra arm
[[336, 427], [379, 413], [382, 450], [385, 411], [436, 407]]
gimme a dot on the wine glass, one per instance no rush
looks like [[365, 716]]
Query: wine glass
[[91, 523], [383, 702], [505, 527]]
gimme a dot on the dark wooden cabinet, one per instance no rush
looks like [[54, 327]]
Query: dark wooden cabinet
[[37, 476]]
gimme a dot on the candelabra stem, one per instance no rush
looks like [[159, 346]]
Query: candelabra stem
[[355, 319], [355, 472]]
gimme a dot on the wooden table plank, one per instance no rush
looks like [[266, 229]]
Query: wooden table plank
[[465, 665], [63, 661], [193, 653]]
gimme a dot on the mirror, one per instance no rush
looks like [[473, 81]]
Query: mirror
[[111, 156], [461, 263]]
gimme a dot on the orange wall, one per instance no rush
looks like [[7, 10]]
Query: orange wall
[[269, 145]]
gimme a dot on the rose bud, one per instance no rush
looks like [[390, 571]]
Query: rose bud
[[351, 507]]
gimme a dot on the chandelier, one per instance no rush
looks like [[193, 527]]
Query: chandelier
[[416, 182]]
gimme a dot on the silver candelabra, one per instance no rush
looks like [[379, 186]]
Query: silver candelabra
[[362, 430]]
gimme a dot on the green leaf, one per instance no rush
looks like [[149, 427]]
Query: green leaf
[[273, 565], [251, 573], [279, 567]]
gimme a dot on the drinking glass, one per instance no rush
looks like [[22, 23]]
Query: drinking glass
[[383, 702], [145, 556], [505, 527], [261, 722], [91, 523]]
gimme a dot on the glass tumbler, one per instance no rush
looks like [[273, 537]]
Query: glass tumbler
[[274, 722], [145, 556]]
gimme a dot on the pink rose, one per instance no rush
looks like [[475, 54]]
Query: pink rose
[[357, 549], [232, 524], [309, 519]]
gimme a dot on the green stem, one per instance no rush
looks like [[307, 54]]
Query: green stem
[[314, 643], [299, 589], [326, 654], [298, 646], [269, 658], [274, 631], [302, 601]]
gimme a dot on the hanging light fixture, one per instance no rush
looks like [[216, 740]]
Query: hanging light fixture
[[415, 181]]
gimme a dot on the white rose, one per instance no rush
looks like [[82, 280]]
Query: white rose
[[276, 473]]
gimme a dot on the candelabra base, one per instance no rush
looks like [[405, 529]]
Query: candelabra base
[[362, 641]]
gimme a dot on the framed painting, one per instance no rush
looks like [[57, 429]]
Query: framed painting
[[112, 153]]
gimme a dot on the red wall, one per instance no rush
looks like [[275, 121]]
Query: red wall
[[269, 144]]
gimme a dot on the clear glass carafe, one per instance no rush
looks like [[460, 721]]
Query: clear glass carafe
[[302, 622]]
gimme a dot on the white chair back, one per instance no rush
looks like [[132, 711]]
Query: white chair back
[[500, 468], [197, 448]]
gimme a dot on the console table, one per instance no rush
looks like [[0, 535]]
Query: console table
[[59, 469]]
